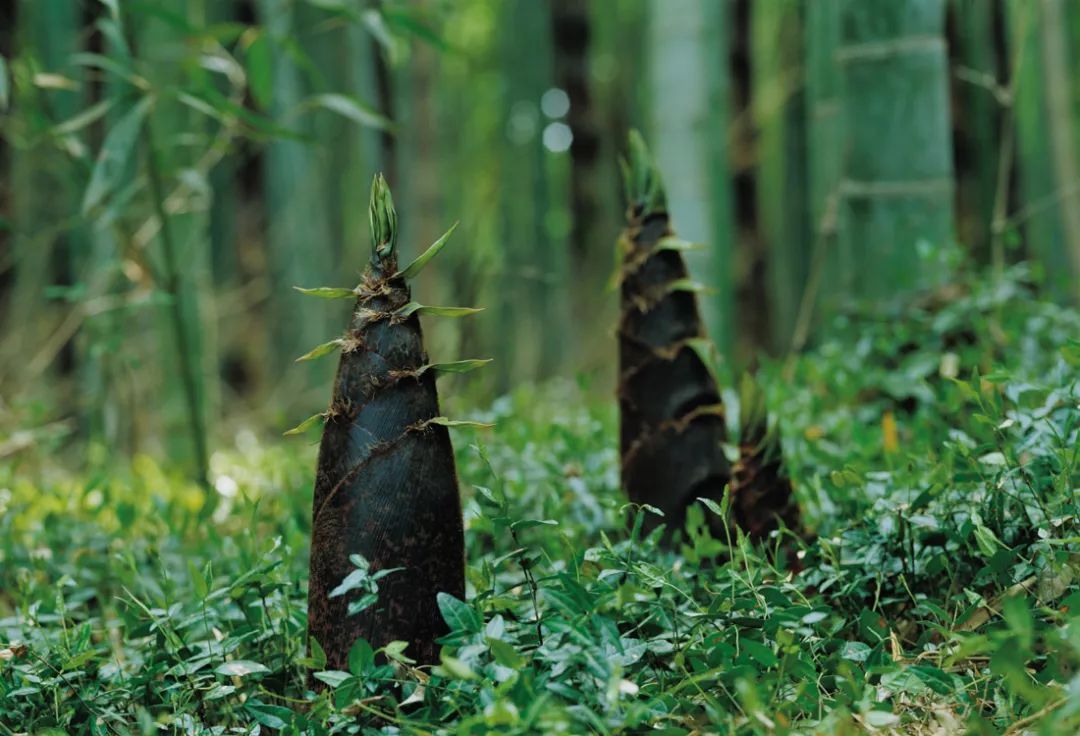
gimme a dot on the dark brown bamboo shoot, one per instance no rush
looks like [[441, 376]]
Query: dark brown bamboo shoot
[[386, 487], [761, 493], [671, 415]]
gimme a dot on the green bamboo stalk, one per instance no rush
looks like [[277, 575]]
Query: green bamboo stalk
[[43, 201], [188, 365], [1036, 213], [979, 113], [824, 134], [690, 124], [528, 319], [1066, 164], [897, 174], [299, 239], [186, 353], [779, 112], [574, 54]]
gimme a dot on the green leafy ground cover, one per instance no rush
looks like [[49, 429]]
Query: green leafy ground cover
[[935, 450]]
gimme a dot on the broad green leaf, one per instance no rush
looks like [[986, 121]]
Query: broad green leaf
[[241, 667], [260, 69], [1071, 352], [759, 652], [318, 654], [422, 260], [713, 506], [116, 151], [350, 108], [272, 716], [395, 650], [305, 425], [444, 422], [421, 309], [505, 654], [880, 718], [320, 350], [355, 580], [459, 616], [454, 667], [457, 366], [333, 678], [361, 657], [327, 292]]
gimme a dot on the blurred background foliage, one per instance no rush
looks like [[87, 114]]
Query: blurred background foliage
[[172, 169]]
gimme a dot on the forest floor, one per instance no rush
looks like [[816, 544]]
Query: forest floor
[[934, 448]]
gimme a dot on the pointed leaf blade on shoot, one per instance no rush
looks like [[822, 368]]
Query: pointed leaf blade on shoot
[[423, 309], [327, 292], [686, 285], [422, 260], [457, 366], [677, 244], [320, 350], [452, 423], [305, 425]]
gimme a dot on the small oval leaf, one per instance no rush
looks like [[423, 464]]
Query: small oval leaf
[[241, 667]]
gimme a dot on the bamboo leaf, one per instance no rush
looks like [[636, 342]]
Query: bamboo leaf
[[422, 260], [677, 244], [260, 70], [351, 109], [446, 422], [458, 366], [686, 285], [111, 165], [327, 292], [112, 66], [305, 425], [416, 308], [77, 122], [320, 350]]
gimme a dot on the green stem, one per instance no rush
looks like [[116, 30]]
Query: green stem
[[196, 421]]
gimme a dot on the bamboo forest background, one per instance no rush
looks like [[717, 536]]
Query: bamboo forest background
[[172, 169]]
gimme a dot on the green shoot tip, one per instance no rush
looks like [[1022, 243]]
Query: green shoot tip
[[641, 178], [383, 219]]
